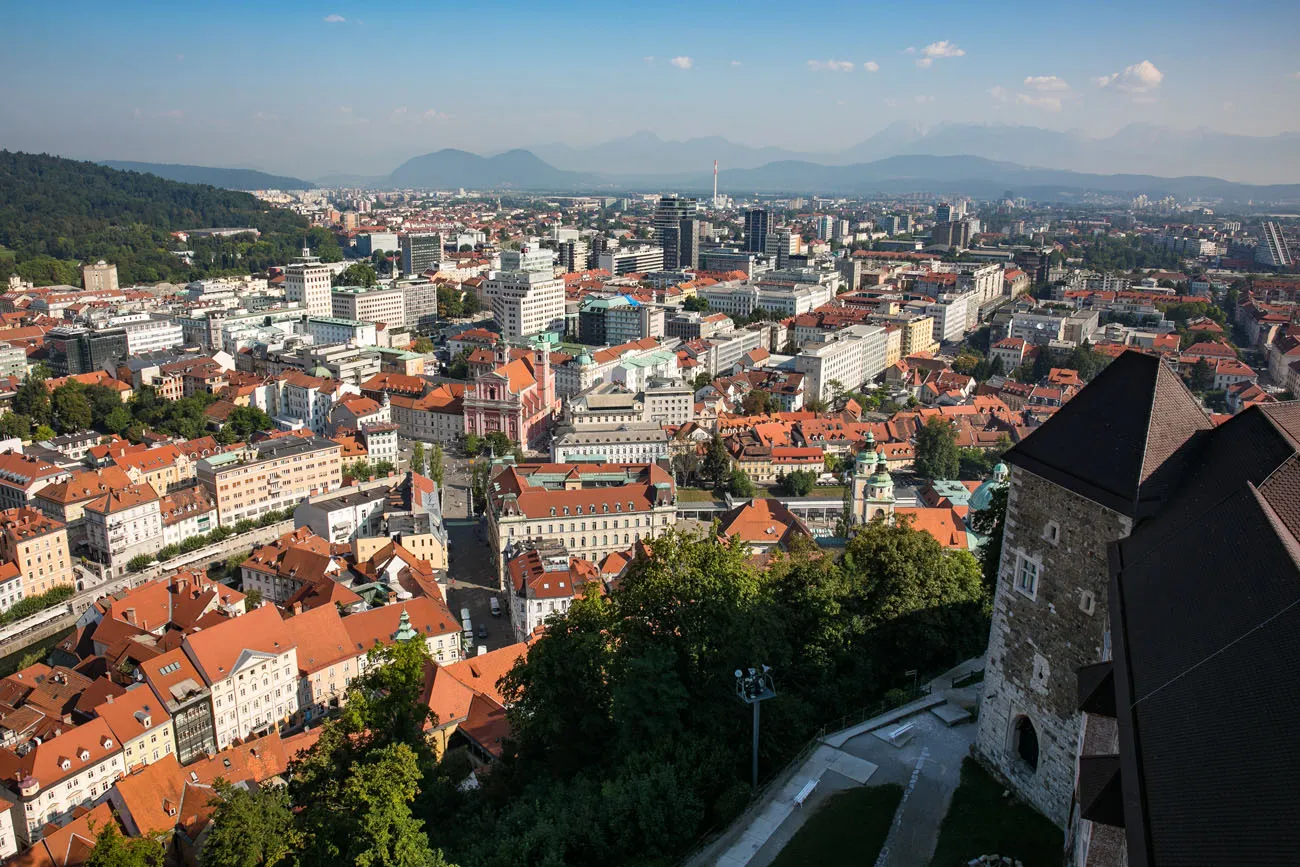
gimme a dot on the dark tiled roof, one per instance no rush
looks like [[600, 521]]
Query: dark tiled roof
[[1112, 442]]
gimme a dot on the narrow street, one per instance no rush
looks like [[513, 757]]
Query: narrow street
[[471, 563]]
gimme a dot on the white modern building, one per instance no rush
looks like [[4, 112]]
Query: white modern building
[[850, 357], [525, 303], [328, 329], [369, 304], [307, 281]]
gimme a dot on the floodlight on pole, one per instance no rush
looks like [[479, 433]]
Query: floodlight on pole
[[754, 686]]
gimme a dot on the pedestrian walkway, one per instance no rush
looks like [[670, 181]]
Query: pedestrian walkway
[[824, 758]]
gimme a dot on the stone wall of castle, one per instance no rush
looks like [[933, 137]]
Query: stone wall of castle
[[1039, 638]]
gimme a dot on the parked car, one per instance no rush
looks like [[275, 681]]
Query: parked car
[[495, 605], [481, 631]]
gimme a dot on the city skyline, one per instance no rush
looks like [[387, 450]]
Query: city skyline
[[315, 89]]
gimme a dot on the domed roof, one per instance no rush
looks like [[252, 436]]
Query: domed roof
[[321, 371], [585, 360], [881, 477], [982, 497]]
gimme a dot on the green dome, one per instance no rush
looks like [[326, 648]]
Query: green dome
[[881, 477], [585, 360], [982, 497], [321, 371]]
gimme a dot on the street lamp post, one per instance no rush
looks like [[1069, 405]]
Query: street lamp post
[[754, 686]]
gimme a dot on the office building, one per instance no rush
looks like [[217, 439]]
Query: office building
[[307, 281], [677, 229], [782, 243], [944, 213], [525, 303], [369, 304], [825, 227], [529, 257], [421, 305], [79, 350], [327, 329], [421, 251], [99, 277], [1272, 249], [572, 255], [152, 335], [377, 242], [756, 227], [640, 259], [851, 356]]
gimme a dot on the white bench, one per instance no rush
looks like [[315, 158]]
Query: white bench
[[805, 792], [900, 735]]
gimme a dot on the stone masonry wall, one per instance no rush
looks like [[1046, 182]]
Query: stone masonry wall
[[1037, 644]]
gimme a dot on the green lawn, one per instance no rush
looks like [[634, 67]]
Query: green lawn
[[695, 495], [849, 828], [982, 822]]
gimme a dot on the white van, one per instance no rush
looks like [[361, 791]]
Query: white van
[[464, 615], [495, 605]]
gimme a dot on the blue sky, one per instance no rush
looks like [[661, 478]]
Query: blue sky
[[315, 88]]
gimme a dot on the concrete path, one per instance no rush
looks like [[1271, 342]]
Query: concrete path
[[780, 801]]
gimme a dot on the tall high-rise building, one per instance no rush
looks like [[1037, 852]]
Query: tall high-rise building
[[1272, 249], [688, 240], [782, 243], [825, 227], [307, 281], [525, 303], [756, 225], [944, 213], [421, 251], [670, 216], [99, 277], [529, 257]]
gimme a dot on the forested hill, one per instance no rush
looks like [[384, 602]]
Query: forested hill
[[56, 213], [229, 179]]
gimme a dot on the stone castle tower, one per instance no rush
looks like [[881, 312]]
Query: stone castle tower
[[1078, 483]]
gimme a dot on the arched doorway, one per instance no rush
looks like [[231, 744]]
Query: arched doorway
[[1026, 742]]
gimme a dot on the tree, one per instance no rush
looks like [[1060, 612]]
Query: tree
[[696, 304], [383, 468], [140, 562], [1202, 378], [473, 444], [360, 470], [112, 849], [252, 829], [989, 523], [33, 399], [422, 345], [500, 444], [1042, 366], [837, 391], [15, 425], [356, 274], [758, 402], [436, 469], [936, 450], [117, 420], [167, 552], [459, 366], [717, 463], [799, 483], [244, 421], [701, 379], [70, 408], [417, 457], [739, 484]]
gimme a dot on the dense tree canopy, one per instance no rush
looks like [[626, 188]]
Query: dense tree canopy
[[57, 213], [937, 456]]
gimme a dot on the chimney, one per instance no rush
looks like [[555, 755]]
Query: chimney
[[109, 699]]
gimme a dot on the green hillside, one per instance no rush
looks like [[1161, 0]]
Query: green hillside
[[56, 213]]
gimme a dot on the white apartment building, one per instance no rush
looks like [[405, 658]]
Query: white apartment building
[[73, 769], [123, 524], [307, 281], [851, 357], [311, 399], [251, 665], [950, 314], [327, 329], [369, 304], [151, 335], [641, 259], [525, 303]]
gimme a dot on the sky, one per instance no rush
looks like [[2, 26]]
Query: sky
[[311, 89]]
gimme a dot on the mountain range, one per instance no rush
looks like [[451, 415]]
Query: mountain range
[[226, 179], [939, 175], [1134, 149]]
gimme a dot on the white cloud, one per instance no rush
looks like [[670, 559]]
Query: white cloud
[[1295, 75], [649, 58], [999, 93], [924, 62], [334, 19], [943, 48], [911, 49], [1046, 83], [736, 63], [831, 65], [345, 109], [1139, 78], [871, 66], [922, 99], [682, 62], [137, 114], [1046, 103], [434, 114]]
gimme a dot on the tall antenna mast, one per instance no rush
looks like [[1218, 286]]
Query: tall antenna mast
[[715, 182]]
